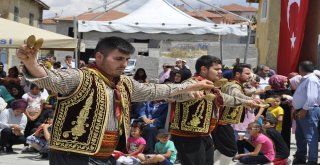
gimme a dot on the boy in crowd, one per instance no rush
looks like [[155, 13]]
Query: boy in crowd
[[282, 150], [165, 150]]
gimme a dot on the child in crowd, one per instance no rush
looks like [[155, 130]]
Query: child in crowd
[[135, 145], [260, 147], [39, 141], [277, 111], [165, 150], [34, 108], [282, 150]]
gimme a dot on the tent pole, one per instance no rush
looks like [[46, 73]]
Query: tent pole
[[247, 44], [75, 35], [220, 38]]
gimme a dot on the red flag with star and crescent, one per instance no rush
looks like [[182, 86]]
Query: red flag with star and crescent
[[292, 26]]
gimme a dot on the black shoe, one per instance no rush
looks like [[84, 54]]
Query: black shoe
[[2, 150], [9, 150], [312, 163], [298, 161]]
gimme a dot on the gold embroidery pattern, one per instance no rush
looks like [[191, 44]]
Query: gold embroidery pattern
[[176, 118], [125, 100], [199, 121], [96, 123], [197, 115], [78, 130], [231, 115], [205, 120]]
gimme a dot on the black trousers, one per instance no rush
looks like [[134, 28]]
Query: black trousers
[[194, 150], [8, 138], [150, 135], [66, 158], [259, 159]]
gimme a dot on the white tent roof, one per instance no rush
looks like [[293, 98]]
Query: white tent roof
[[159, 16], [13, 35]]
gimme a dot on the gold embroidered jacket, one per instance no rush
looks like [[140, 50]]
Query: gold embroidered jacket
[[86, 111], [231, 114], [195, 118]]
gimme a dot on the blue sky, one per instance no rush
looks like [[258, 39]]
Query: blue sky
[[76, 7]]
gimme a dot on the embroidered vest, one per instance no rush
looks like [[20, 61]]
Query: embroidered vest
[[81, 119], [195, 118], [231, 115]]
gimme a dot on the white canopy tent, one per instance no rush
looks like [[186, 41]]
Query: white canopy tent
[[13, 35], [162, 19]]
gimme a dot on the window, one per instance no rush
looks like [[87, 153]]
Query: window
[[31, 19], [264, 9], [16, 14]]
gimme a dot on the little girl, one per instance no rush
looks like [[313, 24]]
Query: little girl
[[135, 145], [260, 147]]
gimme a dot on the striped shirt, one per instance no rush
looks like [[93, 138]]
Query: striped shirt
[[307, 94]]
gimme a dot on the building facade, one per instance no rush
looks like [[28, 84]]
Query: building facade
[[24, 11]]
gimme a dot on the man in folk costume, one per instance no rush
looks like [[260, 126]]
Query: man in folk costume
[[192, 121], [94, 110], [230, 115]]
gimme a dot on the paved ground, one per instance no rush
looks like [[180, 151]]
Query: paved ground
[[30, 159]]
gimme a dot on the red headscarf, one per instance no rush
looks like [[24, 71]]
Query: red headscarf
[[278, 82]]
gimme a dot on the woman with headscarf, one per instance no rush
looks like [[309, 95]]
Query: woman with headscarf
[[12, 124], [279, 86], [140, 75]]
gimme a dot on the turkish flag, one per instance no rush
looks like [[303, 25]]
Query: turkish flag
[[292, 26]]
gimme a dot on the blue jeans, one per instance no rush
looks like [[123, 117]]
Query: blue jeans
[[307, 134]]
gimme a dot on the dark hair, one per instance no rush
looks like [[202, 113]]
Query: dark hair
[[68, 56], [57, 64], [50, 115], [20, 91], [108, 44], [257, 79], [33, 86], [138, 77], [239, 68], [275, 96], [15, 70], [306, 66], [137, 124], [206, 61]]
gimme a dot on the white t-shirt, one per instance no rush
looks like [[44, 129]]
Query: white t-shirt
[[73, 65], [263, 82], [34, 102]]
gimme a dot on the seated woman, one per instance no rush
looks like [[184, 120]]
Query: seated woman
[[16, 91], [12, 124], [4, 93], [12, 78], [153, 114], [260, 146]]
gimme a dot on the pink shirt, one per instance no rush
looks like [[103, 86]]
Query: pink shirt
[[267, 146], [164, 75], [135, 143]]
